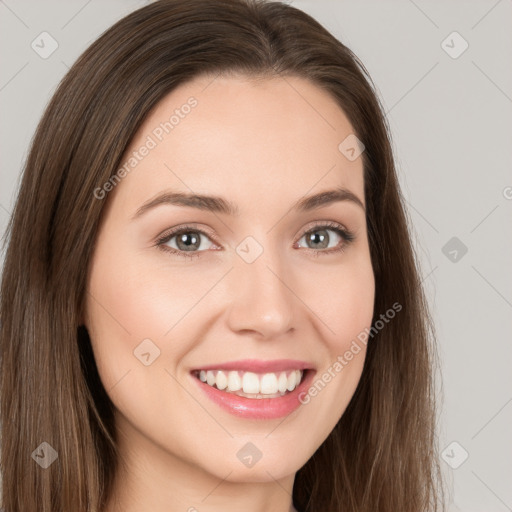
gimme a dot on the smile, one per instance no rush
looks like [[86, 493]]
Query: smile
[[254, 389], [250, 384]]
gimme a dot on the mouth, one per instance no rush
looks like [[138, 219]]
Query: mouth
[[256, 389], [252, 385]]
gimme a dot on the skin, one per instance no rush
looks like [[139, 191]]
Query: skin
[[262, 145]]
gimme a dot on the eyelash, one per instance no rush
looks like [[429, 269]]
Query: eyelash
[[345, 234]]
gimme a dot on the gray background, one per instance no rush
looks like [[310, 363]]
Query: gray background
[[451, 125]]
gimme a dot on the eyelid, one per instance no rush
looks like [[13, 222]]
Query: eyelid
[[186, 227], [168, 234], [323, 224]]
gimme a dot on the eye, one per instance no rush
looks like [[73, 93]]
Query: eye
[[189, 240], [187, 244], [319, 238]]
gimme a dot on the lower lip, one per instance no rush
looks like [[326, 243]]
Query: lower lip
[[258, 408]]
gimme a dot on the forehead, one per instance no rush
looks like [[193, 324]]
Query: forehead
[[272, 139]]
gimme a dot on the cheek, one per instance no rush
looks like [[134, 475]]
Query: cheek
[[344, 301], [134, 299], [123, 308], [342, 298]]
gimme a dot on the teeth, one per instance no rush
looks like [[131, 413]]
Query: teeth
[[210, 378], [249, 383], [282, 382], [292, 380], [234, 381], [221, 380], [268, 384]]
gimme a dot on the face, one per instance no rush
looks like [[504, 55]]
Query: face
[[257, 297]]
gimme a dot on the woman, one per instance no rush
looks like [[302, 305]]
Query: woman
[[210, 299]]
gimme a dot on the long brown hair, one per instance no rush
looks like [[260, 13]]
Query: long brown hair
[[382, 454]]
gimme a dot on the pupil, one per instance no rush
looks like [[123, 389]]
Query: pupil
[[193, 243], [319, 238]]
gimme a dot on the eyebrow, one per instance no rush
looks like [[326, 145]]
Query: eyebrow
[[220, 205]]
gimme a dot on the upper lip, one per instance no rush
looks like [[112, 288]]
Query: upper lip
[[259, 366]]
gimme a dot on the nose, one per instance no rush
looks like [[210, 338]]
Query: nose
[[261, 296]]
